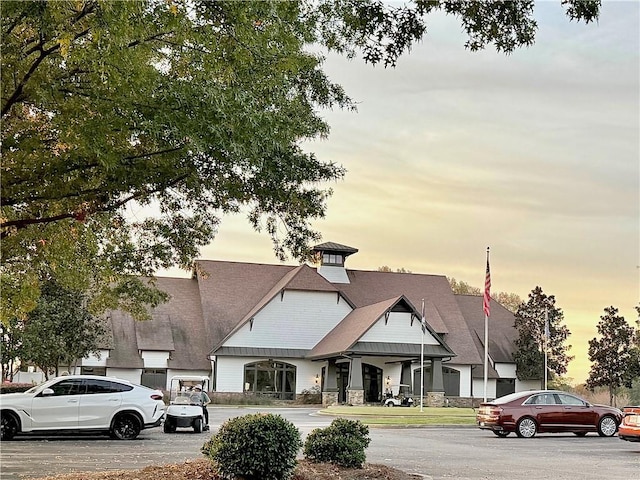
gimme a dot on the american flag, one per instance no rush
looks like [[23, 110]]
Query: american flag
[[486, 305], [547, 332]]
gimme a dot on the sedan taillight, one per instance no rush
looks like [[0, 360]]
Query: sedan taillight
[[491, 410], [156, 396]]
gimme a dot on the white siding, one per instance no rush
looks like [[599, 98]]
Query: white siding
[[297, 320], [132, 374], [34, 378], [478, 388], [334, 274], [522, 385], [506, 370], [231, 373], [465, 377], [96, 360], [155, 359], [397, 329]]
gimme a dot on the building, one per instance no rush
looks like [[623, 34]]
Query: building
[[281, 330]]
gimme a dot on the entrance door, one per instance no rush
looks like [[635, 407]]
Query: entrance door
[[372, 379], [342, 372]]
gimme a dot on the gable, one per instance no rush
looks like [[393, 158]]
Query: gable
[[293, 319], [390, 327], [441, 309]]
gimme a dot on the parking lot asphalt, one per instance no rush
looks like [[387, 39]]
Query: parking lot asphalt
[[436, 453]]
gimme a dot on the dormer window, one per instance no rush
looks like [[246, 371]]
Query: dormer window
[[333, 259]]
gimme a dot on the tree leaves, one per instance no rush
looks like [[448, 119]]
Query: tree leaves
[[615, 360], [530, 323]]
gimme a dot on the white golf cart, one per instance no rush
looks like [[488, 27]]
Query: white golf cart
[[185, 403], [402, 399]]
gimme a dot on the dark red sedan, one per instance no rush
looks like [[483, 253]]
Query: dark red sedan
[[546, 411]]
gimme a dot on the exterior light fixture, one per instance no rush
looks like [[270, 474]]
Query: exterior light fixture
[[317, 379]]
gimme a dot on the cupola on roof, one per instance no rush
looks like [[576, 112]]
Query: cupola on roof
[[332, 257], [335, 247]]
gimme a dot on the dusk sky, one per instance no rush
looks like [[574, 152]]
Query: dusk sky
[[535, 154]]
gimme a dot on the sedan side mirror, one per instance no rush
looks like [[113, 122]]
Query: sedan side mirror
[[47, 392]]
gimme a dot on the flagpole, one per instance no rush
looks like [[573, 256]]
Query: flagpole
[[422, 327], [546, 339], [486, 308]]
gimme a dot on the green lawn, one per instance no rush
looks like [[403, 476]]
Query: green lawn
[[404, 415]]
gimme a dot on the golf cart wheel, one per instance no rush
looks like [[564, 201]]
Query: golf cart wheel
[[169, 426], [197, 425]]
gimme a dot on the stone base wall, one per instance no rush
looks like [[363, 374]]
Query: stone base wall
[[435, 399], [355, 397], [329, 398], [463, 402]]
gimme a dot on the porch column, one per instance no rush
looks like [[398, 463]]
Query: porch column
[[355, 390], [330, 392], [435, 395], [405, 374], [437, 382]]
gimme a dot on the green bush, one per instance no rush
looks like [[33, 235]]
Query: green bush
[[311, 396], [341, 443], [255, 447]]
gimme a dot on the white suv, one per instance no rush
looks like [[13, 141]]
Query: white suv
[[82, 403]]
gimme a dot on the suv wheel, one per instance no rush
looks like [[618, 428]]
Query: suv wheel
[[126, 426], [8, 426]]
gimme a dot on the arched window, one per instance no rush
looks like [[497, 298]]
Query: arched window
[[275, 379]]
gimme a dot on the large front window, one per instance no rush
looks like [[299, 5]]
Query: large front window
[[274, 379]]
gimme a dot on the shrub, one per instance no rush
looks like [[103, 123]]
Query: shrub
[[311, 396], [341, 443], [15, 387], [255, 447]]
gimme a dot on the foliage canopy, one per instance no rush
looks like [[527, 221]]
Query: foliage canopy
[[615, 359], [130, 128], [533, 337], [59, 331]]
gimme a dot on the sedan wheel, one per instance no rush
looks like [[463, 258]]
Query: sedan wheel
[[607, 426], [526, 427], [125, 427]]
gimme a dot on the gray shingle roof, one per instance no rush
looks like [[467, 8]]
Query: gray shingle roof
[[502, 332], [206, 309], [334, 247], [176, 326]]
